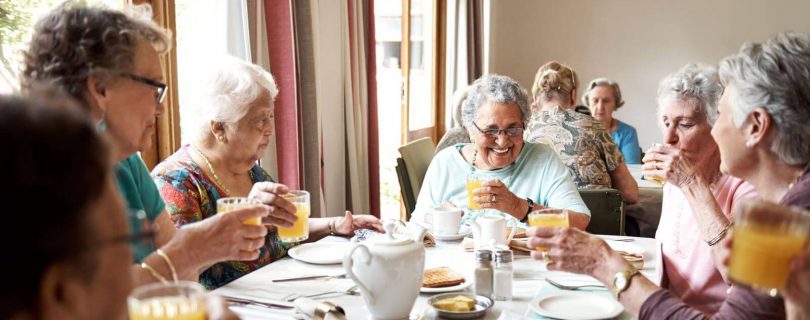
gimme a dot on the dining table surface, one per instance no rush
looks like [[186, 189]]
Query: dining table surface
[[529, 281]]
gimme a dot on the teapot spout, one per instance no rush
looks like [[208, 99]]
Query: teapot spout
[[418, 233]]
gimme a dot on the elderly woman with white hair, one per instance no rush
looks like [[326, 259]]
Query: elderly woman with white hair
[[229, 127], [603, 97], [761, 135], [519, 177]]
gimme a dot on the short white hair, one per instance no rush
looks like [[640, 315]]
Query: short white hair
[[223, 93], [774, 75], [493, 88], [696, 84]]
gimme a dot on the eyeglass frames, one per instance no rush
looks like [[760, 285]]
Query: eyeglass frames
[[495, 132], [160, 95]]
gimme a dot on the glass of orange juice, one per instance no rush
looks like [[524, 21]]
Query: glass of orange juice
[[300, 229], [184, 300], [766, 237], [658, 180], [473, 182], [548, 218], [229, 204]]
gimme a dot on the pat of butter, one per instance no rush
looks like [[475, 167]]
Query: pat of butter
[[455, 304]]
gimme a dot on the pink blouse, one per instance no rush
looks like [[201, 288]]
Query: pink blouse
[[690, 269]]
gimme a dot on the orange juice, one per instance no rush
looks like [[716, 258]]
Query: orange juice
[[225, 205], [548, 218], [300, 229], [473, 184], [165, 308], [761, 255]]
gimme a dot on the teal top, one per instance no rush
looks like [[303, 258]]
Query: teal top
[[626, 139], [537, 173], [140, 193]]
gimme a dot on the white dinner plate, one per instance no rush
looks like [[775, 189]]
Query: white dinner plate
[[447, 237], [320, 252], [628, 247], [457, 287], [576, 306]]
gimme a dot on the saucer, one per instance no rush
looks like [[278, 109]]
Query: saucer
[[446, 237]]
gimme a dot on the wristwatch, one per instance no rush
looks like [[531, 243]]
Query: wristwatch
[[621, 280], [529, 210]]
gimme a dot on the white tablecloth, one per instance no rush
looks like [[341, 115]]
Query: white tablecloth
[[529, 281]]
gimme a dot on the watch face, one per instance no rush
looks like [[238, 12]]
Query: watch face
[[620, 281]]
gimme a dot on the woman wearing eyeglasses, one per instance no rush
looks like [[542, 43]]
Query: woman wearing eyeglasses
[[518, 177], [582, 143], [109, 61]]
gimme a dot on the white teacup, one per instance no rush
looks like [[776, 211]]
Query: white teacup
[[490, 230], [446, 221]]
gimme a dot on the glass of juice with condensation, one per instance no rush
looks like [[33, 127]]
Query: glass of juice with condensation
[[766, 238], [548, 218], [473, 182], [225, 205], [300, 229], [183, 300]]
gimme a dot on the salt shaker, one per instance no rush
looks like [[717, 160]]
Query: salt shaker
[[483, 273], [503, 276]]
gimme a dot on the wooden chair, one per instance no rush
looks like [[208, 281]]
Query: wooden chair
[[411, 168], [607, 211]]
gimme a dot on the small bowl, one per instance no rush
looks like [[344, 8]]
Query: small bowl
[[482, 305]]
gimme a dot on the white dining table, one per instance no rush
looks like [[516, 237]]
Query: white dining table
[[529, 282]]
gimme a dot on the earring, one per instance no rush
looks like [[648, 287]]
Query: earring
[[221, 138], [749, 144]]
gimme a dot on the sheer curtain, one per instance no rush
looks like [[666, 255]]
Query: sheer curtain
[[464, 48]]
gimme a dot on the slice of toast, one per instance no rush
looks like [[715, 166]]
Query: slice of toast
[[441, 277]]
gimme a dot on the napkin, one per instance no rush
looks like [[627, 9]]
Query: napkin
[[309, 309], [402, 230]]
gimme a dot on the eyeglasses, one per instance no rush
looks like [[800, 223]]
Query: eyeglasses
[[495, 132], [160, 95], [141, 236]]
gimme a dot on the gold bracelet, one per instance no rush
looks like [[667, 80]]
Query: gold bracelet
[[154, 272], [168, 262]]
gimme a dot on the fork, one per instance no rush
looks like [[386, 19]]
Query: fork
[[621, 239], [351, 291], [565, 287]]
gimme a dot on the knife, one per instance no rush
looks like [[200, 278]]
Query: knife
[[258, 303], [341, 276]]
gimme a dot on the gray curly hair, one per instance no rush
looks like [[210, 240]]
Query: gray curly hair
[[696, 84], [774, 75], [75, 41], [598, 82], [494, 88]]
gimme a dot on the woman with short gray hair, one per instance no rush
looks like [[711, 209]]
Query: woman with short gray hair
[[603, 97], [518, 177], [228, 126]]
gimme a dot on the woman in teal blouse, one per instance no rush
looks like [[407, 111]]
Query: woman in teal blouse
[[603, 97]]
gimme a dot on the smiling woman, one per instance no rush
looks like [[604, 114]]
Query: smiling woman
[[519, 177]]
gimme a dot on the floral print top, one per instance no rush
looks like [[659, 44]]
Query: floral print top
[[191, 196], [582, 143]]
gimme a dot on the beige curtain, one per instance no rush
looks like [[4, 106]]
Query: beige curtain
[[257, 31], [464, 48]]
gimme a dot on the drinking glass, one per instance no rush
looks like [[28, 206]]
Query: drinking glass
[[184, 300], [300, 229], [766, 238], [548, 218], [225, 205], [658, 180], [473, 182]]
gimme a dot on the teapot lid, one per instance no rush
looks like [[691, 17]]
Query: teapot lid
[[392, 240]]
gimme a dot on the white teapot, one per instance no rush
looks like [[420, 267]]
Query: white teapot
[[388, 272]]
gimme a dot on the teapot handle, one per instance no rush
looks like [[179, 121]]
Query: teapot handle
[[348, 263], [513, 231]]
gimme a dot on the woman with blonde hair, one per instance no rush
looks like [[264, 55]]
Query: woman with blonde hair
[[581, 142]]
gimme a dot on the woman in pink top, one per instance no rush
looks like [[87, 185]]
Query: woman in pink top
[[694, 210]]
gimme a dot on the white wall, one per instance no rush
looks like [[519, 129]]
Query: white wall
[[633, 42]]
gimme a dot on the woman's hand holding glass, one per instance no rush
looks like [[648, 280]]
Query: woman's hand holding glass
[[573, 250], [282, 211], [225, 237], [665, 163], [494, 194], [350, 223]]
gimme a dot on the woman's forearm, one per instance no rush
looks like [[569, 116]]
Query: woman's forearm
[[186, 265], [578, 220], [639, 289], [710, 219]]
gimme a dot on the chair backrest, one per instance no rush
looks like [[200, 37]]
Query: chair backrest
[[408, 198], [452, 137], [607, 211], [416, 157]]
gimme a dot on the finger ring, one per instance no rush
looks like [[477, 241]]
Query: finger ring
[[492, 198], [544, 255]]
